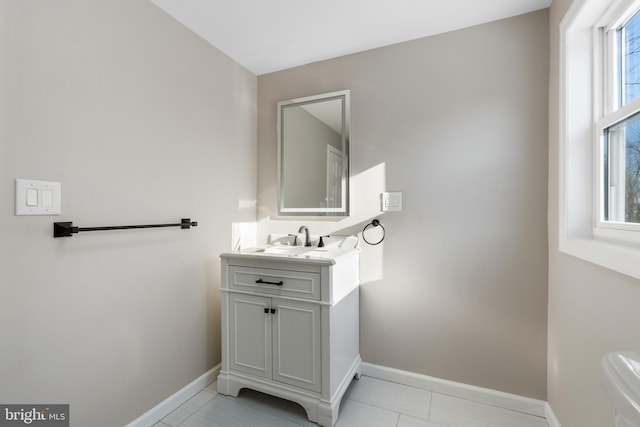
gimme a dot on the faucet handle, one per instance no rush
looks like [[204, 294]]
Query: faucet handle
[[295, 239], [321, 243]]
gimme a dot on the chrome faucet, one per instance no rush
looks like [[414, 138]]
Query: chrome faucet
[[307, 239]]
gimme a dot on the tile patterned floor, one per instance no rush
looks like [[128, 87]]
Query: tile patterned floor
[[369, 402]]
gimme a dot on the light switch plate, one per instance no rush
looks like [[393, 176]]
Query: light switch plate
[[37, 197], [391, 201]]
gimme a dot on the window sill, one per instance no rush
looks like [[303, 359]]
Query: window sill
[[612, 255], [620, 233]]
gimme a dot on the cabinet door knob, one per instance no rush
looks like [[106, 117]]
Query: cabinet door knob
[[273, 311], [266, 311]]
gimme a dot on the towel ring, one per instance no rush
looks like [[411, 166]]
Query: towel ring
[[374, 223]]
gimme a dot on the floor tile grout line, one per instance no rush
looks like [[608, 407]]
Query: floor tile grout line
[[486, 403], [491, 406], [408, 387], [394, 382], [194, 411], [387, 409], [430, 405], [369, 404]]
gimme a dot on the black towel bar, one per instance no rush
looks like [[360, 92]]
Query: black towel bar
[[66, 229]]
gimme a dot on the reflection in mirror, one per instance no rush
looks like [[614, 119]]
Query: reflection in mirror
[[313, 155]]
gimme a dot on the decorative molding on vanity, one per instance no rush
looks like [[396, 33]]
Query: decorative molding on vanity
[[488, 396], [171, 403]]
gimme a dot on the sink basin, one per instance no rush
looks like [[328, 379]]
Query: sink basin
[[288, 250], [296, 250], [622, 384], [334, 246]]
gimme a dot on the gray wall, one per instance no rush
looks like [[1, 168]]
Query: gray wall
[[592, 310], [142, 122], [458, 123]]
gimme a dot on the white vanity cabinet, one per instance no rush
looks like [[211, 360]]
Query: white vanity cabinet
[[290, 328]]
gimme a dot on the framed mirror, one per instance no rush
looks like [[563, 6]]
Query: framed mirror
[[313, 155]]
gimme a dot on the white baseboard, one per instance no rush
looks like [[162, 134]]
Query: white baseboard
[[551, 417], [172, 402], [478, 394], [500, 399]]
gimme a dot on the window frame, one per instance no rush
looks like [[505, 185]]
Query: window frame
[[581, 104], [612, 111]]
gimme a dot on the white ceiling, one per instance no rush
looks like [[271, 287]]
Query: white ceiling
[[272, 35]]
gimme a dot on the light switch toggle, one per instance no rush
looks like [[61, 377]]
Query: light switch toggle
[[37, 197], [32, 197]]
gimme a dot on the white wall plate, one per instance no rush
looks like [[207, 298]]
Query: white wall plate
[[37, 197], [391, 201]]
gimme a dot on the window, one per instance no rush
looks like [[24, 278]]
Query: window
[[621, 165], [618, 130], [627, 59], [599, 134]]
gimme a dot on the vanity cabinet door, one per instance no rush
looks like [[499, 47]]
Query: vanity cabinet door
[[296, 344], [250, 334]]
